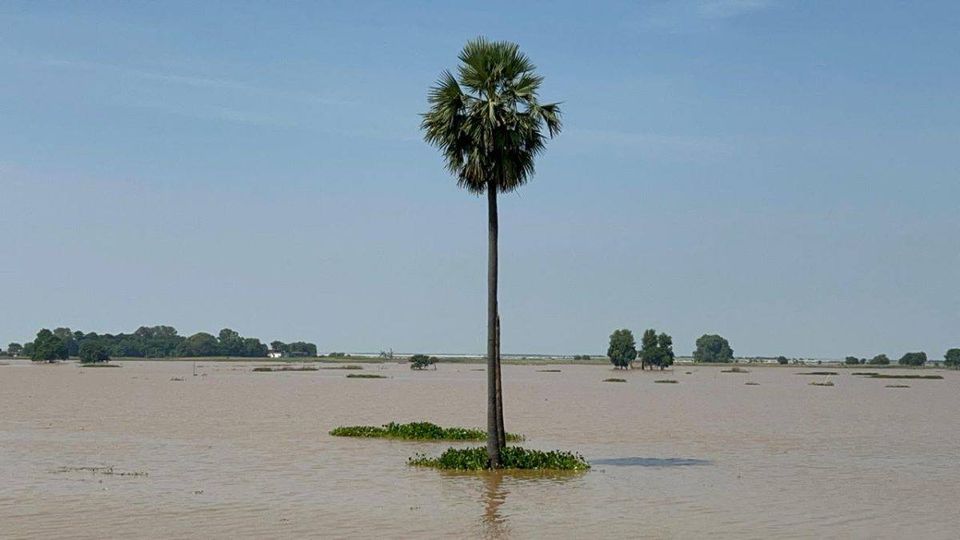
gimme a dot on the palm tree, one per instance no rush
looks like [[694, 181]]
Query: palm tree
[[489, 126]]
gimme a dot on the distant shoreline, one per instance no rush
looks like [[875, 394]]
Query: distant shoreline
[[515, 361]]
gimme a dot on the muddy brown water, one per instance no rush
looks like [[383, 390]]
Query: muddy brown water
[[108, 453]]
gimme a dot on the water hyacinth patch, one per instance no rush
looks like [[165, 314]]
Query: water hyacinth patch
[[417, 431], [513, 457]]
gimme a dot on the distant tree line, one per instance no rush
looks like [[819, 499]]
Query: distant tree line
[[297, 348], [148, 342]]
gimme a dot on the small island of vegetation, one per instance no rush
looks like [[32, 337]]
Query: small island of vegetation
[[416, 431]]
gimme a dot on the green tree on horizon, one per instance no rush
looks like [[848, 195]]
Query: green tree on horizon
[[913, 359], [48, 347], [490, 127], [713, 348], [950, 359], [623, 348]]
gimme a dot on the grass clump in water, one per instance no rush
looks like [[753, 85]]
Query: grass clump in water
[[818, 373], [825, 383], [751, 383], [735, 369], [892, 376], [548, 371], [666, 381], [614, 380], [266, 369], [348, 366], [364, 376], [417, 431], [898, 386], [97, 365], [514, 457], [865, 373]]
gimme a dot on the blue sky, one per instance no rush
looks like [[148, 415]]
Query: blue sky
[[783, 173]]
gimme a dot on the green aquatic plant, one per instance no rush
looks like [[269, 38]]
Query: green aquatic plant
[[898, 386], [818, 373], [417, 431], [614, 380], [513, 457], [865, 373], [666, 381], [825, 383], [364, 376], [548, 371]]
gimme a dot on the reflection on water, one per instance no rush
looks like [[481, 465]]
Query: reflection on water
[[649, 462], [494, 523], [235, 454]]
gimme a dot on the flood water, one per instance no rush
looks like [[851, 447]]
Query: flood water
[[129, 452]]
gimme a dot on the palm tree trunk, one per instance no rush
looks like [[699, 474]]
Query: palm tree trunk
[[493, 440], [501, 433]]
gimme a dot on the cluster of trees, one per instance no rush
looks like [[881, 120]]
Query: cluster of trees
[[581, 357], [297, 348], [713, 348], [422, 361], [149, 342], [655, 349], [908, 359], [913, 359]]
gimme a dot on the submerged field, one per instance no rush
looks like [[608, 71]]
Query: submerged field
[[129, 452]]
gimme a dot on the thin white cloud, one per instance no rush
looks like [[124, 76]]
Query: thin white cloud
[[654, 145], [197, 81], [691, 15]]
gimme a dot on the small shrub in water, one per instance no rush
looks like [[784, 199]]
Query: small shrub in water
[[513, 457], [735, 369]]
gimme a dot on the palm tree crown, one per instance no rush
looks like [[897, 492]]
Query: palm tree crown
[[488, 124]]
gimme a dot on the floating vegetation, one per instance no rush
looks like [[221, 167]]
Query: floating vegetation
[[417, 431], [735, 369], [824, 383], [614, 380], [865, 373], [364, 376], [689, 373], [751, 383], [513, 457], [479, 369], [894, 376], [348, 366], [548, 370], [818, 373], [100, 470], [265, 369], [898, 386], [98, 364], [177, 379], [666, 381]]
